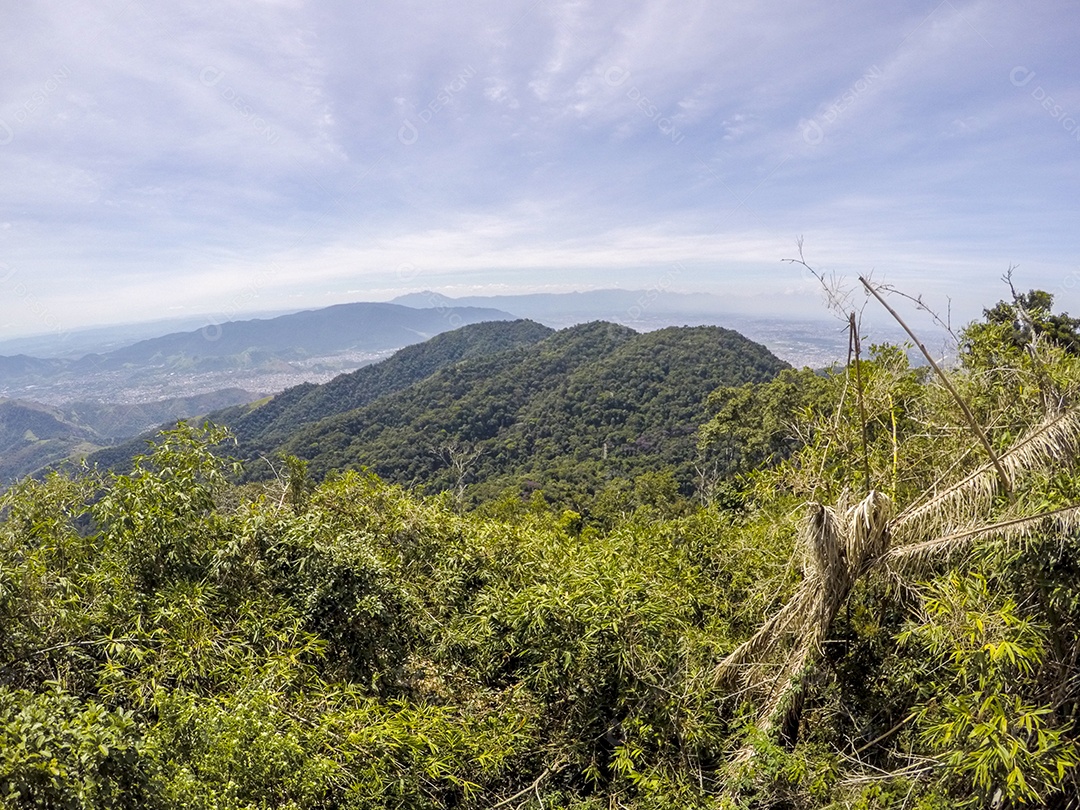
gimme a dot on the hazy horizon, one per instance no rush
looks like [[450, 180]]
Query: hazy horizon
[[225, 158], [195, 321]]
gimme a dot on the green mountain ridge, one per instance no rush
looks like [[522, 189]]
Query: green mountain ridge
[[251, 353], [275, 420], [261, 427], [589, 404], [505, 406], [34, 436]]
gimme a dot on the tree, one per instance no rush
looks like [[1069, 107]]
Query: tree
[[460, 458], [943, 509], [1030, 316]]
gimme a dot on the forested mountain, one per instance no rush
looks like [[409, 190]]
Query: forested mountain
[[261, 427], [509, 405], [33, 435], [587, 405], [812, 339], [264, 427], [890, 617], [369, 327], [111, 421]]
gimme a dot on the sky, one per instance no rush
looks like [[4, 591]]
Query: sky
[[167, 159]]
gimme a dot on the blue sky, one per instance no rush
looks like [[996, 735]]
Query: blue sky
[[159, 160]]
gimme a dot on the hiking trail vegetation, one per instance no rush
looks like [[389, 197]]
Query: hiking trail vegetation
[[834, 597]]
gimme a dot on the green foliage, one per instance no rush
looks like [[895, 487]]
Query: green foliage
[[1030, 316], [586, 406], [162, 515], [53, 588], [755, 424], [58, 752], [991, 735], [250, 750], [170, 639], [265, 427]]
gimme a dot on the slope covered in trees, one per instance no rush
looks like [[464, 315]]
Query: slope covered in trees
[[891, 618], [34, 436], [260, 427], [256, 353], [264, 427], [588, 405], [510, 406]]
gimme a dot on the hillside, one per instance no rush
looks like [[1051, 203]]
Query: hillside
[[506, 405], [33, 435], [887, 620], [112, 422], [371, 327], [811, 339], [587, 405], [262, 426]]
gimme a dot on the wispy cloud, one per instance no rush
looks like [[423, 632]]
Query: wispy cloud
[[237, 156]]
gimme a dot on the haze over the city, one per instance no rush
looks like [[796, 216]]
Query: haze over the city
[[224, 158]]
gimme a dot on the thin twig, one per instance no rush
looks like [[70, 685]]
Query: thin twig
[[1006, 484], [944, 323], [854, 341], [534, 786], [886, 735]]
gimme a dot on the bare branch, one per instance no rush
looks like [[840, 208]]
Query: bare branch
[[838, 299], [1006, 484], [917, 300]]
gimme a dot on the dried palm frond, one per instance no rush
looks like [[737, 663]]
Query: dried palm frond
[[1054, 441], [868, 537], [737, 665], [823, 538], [914, 557], [842, 543], [836, 548]]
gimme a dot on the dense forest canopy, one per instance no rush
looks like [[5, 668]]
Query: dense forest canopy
[[879, 613]]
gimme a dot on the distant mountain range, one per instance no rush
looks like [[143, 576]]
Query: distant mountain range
[[369, 327], [816, 342], [264, 425], [628, 307], [74, 343], [257, 354], [98, 399], [55, 408]]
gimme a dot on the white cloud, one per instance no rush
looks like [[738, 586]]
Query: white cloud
[[158, 156]]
